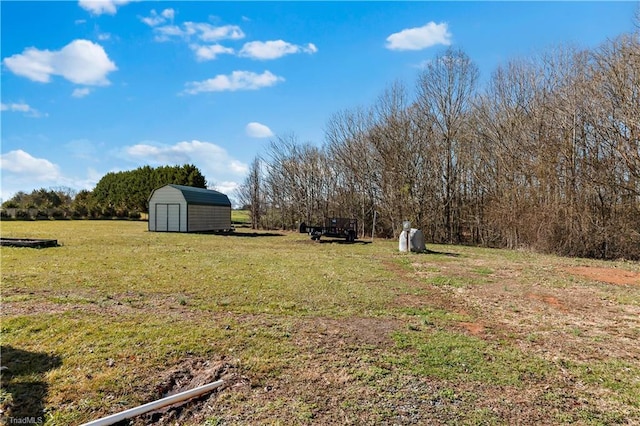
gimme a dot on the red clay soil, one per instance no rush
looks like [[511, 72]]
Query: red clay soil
[[474, 328], [607, 275], [549, 300]]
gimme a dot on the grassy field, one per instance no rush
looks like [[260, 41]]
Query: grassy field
[[240, 217], [312, 333]]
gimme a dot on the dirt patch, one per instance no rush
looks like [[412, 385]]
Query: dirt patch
[[36, 303], [530, 306], [311, 384], [473, 327], [11, 309], [191, 374], [412, 301], [188, 375], [329, 332], [607, 275], [549, 300]]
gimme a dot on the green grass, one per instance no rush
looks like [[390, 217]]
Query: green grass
[[454, 356], [620, 377], [241, 217], [341, 333], [239, 273], [443, 280]]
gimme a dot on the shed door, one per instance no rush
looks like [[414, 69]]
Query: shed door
[[173, 222], [168, 217]]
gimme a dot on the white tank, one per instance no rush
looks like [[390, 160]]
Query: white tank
[[416, 241]]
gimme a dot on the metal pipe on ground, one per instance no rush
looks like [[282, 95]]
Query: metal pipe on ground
[[155, 405]]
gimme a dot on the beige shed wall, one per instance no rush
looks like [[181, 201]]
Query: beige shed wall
[[208, 218]]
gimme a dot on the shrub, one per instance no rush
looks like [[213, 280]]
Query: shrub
[[42, 215], [59, 214], [22, 214]]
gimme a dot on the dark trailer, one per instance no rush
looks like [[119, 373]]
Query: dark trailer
[[335, 227]]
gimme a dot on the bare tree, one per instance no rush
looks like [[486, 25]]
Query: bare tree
[[504, 126], [446, 89], [250, 192], [615, 119], [351, 158]]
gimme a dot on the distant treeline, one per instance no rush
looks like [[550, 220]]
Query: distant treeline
[[117, 194], [546, 156]]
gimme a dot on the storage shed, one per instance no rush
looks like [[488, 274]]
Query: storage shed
[[178, 208]]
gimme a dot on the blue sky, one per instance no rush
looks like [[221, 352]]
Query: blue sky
[[91, 87]]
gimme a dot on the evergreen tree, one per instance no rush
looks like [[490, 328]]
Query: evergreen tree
[[129, 191]]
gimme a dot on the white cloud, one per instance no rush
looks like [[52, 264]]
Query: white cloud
[[23, 172], [157, 19], [15, 107], [258, 130], [81, 62], [104, 36], [21, 107], [237, 80], [207, 53], [273, 49], [227, 187], [32, 63], [22, 163], [153, 20], [238, 167], [99, 7], [214, 161], [200, 31], [169, 13], [208, 32], [81, 93], [420, 37], [165, 32]]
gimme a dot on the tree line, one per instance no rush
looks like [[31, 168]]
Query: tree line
[[117, 194], [545, 156]]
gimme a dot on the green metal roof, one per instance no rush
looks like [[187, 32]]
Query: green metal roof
[[202, 196]]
